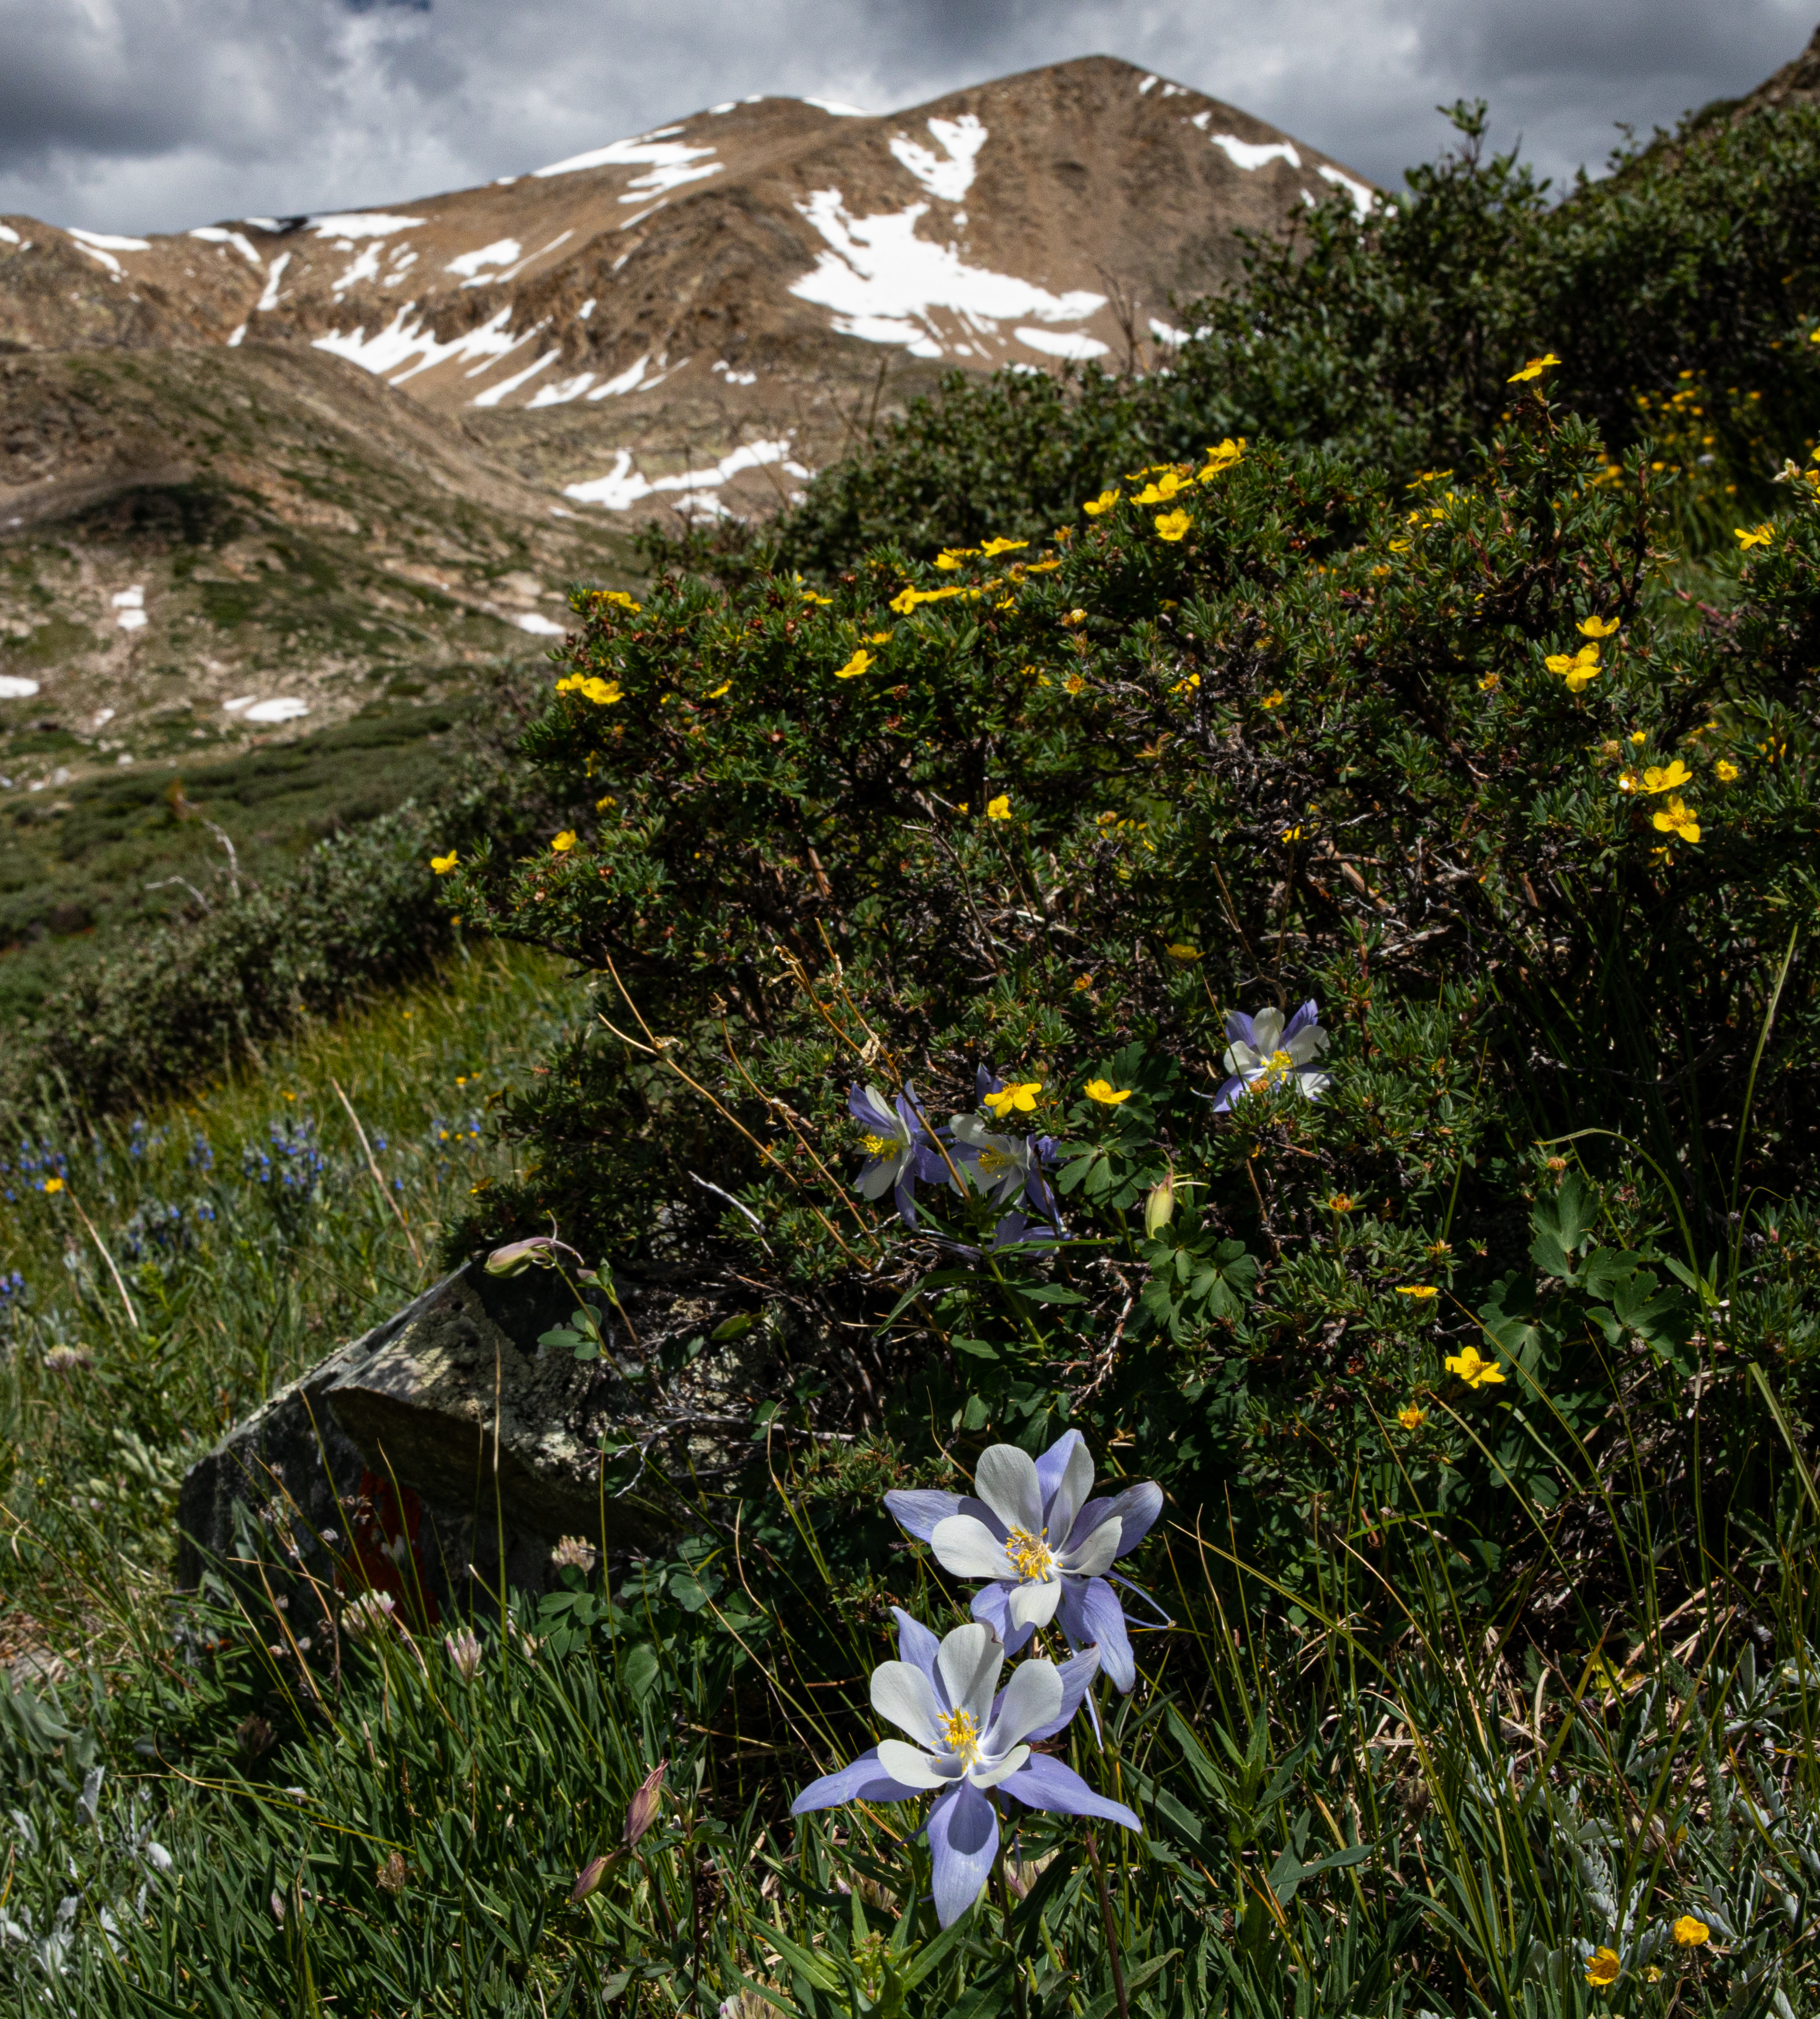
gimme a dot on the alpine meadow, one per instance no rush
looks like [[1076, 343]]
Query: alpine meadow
[[1202, 979]]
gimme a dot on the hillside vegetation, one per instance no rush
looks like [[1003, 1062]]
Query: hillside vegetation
[[1251, 928]]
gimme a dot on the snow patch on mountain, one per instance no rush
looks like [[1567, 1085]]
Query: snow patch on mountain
[[1253, 155], [949, 178], [667, 163], [362, 224], [883, 282], [623, 487]]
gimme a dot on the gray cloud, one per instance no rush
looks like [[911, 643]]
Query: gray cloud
[[133, 115]]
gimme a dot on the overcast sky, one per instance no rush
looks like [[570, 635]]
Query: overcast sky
[[142, 115]]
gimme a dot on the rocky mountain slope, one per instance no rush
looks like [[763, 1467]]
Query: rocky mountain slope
[[701, 312]]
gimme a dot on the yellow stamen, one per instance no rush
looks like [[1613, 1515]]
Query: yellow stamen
[[963, 1736], [878, 1146], [1029, 1556]]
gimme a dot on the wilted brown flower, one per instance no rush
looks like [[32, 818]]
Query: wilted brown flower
[[571, 1553], [393, 1874], [645, 1804]]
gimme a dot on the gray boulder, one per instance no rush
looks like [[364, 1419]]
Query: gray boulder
[[446, 1445]]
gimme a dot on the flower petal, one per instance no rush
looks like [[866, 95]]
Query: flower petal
[[1044, 1783], [1307, 1016], [907, 1697], [1267, 1031], [916, 1644], [870, 1109], [1137, 1508], [916, 1512], [1076, 1674], [877, 1177], [1314, 1085], [913, 1767], [1105, 1619], [967, 1667], [865, 1781], [1239, 1031], [1094, 1553], [1006, 1481], [1235, 1086], [1065, 1479], [963, 1843], [1033, 1697], [965, 1546], [991, 1608], [1034, 1604]]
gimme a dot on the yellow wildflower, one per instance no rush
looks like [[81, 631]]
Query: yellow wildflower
[[809, 596], [1578, 668], [854, 666], [1665, 777], [1604, 1968], [1726, 772], [1340, 1202], [879, 638], [1628, 781], [1473, 1370], [1173, 525], [1221, 459], [1014, 1097], [1038, 567], [1075, 617], [1754, 536], [714, 693], [907, 599], [998, 544], [1186, 954], [442, 864], [950, 558], [591, 687], [53, 1185], [1534, 369], [1161, 489], [1676, 818], [619, 598], [1082, 982], [1273, 700], [1000, 808], [1598, 627], [606, 799], [1689, 1934], [1491, 683], [1411, 1418], [1421, 1292], [1106, 1094], [1074, 684], [1105, 503], [562, 842]]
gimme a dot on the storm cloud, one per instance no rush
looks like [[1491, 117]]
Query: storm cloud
[[138, 115]]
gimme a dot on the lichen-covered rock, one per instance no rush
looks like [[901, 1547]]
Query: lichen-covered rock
[[407, 1458]]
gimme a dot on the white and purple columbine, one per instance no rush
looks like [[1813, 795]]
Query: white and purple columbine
[[899, 1149], [1030, 1528], [1002, 1167], [971, 1747], [1263, 1051]]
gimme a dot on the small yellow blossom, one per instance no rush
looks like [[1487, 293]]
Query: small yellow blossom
[[1411, 1418], [1014, 1097], [1690, 1934], [809, 596], [1221, 459], [854, 666], [1604, 1968], [1164, 488], [1534, 369], [1074, 684], [1473, 1370], [1676, 818], [619, 598], [591, 687], [1598, 627], [1082, 982], [1579, 667], [906, 599], [1726, 772], [53, 1185], [1340, 1202], [1754, 536], [878, 638], [1105, 503], [442, 864], [1105, 1093], [606, 799], [1421, 1292], [1172, 525], [1665, 777], [1274, 699], [562, 842], [714, 693], [1000, 808], [1291, 833], [1186, 954], [997, 545], [1491, 683], [1074, 618], [950, 558]]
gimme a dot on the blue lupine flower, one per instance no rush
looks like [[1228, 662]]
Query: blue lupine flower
[[899, 1149], [1030, 1528], [972, 1747], [1264, 1053]]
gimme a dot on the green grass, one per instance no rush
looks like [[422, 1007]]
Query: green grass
[[87, 869]]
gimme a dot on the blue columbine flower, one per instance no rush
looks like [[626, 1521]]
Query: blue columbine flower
[[1263, 1052], [899, 1149], [1030, 1528], [972, 1747]]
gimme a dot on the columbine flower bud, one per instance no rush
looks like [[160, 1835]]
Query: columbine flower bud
[[1159, 1205], [464, 1650], [587, 1880], [517, 1256], [645, 1804]]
